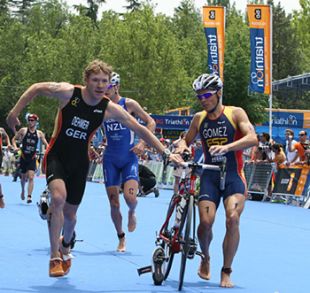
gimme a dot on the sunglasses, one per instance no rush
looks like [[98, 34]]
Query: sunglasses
[[31, 120], [301, 134], [206, 95]]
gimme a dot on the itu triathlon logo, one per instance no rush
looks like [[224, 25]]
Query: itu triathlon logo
[[257, 72], [213, 52]]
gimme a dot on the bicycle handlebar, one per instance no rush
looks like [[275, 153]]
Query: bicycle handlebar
[[221, 168], [200, 166]]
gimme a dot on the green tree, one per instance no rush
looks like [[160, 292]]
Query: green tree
[[301, 22], [91, 10], [133, 5], [145, 53], [237, 68], [285, 45], [12, 52], [4, 7], [20, 8]]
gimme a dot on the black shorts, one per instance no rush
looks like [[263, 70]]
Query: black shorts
[[27, 164], [74, 175]]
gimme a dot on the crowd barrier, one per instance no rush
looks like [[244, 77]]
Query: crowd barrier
[[95, 173], [293, 183], [263, 180], [258, 177]]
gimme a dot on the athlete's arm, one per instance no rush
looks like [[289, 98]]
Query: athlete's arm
[[193, 129], [62, 91], [19, 135], [183, 144], [116, 112], [4, 133], [43, 139], [135, 108]]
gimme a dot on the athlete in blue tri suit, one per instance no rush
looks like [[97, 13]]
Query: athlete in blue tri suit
[[120, 161], [224, 131]]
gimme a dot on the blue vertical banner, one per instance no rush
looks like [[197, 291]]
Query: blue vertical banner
[[260, 18], [214, 27], [257, 75]]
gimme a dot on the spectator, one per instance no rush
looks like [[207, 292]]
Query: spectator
[[301, 146], [279, 157], [290, 156], [262, 153]]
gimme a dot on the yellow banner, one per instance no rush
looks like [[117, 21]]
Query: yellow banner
[[214, 26], [261, 47]]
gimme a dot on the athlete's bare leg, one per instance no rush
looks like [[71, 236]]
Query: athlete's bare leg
[[233, 206], [130, 194], [113, 195], [56, 216], [117, 219], [70, 211], [2, 204], [23, 180], [30, 175], [207, 210]]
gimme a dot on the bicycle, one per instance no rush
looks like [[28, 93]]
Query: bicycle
[[178, 233]]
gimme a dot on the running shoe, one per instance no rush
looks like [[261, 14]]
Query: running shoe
[[56, 267]]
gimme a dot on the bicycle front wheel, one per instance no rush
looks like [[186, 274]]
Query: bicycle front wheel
[[187, 223]]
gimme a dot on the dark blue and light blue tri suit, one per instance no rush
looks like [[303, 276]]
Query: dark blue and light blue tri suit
[[120, 164], [221, 131]]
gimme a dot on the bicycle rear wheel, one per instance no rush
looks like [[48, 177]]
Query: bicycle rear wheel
[[187, 223]]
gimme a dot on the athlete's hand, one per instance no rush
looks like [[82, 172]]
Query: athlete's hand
[[12, 121], [138, 149], [218, 150], [176, 158]]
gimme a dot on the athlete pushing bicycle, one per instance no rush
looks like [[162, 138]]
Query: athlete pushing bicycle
[[224, 132]]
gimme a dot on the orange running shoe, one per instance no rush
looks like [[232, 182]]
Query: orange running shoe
[[55, 269]]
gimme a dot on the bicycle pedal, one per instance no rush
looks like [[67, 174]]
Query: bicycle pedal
[[144, 270], [158, 256]]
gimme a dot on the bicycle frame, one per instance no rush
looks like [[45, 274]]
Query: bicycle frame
[[180, 236]]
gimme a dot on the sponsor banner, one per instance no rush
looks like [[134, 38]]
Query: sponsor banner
[[260, 38], [287, 119], [292, 181], [172, 122], [214, 27]]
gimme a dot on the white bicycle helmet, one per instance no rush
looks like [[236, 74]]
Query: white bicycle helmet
[[207, 81], [115, 78]]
